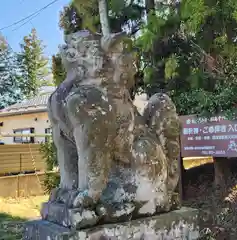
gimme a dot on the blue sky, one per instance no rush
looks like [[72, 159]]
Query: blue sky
[[46, 23]]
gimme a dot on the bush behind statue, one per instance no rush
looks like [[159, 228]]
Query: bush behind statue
[[52, 178]]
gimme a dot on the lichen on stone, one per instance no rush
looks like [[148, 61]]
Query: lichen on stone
[[103, 143]]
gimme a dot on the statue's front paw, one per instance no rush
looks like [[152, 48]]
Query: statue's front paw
[[82, 200]]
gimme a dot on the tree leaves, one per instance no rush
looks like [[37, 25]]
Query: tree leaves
[[171, 67], [59, 73], [194, 13], [34, 66], [10, 79], [189, 52]]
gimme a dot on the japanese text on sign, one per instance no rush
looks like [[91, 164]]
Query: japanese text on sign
[[216, 136]]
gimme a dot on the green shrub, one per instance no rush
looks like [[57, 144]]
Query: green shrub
[[48, 150], [52, 179]]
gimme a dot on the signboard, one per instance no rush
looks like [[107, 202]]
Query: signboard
[[215, 137]]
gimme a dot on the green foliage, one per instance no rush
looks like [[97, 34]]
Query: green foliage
[[48, 150], [189, 52], [186, 49], [165, 53], [3, 43], [10, 79], [80, 15], [72, 20], [11, 227], [34, 66], [59, 73], [89, 14], [171, 66], [52, 179], [123, 14], [194, 12]]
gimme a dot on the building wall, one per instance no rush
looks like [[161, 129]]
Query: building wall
[[23, 121], [11, 123]]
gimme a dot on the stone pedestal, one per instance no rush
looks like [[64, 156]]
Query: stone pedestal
[[179, 224]]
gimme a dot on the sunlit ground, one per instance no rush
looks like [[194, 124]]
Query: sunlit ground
[[14, 212], [23, 207], [194, 162]]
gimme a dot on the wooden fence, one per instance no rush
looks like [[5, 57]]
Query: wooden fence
[[21, 158]]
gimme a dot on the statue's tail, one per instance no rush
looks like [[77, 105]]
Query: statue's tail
[[161, 117]]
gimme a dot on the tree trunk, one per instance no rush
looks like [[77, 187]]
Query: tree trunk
[[104, 21]]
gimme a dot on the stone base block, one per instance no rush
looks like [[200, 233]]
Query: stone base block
[[70, 218], [179, 224]]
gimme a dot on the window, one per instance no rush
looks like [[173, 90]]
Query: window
[[47, 131], [23, 139]]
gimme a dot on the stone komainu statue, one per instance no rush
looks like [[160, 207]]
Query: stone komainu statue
[[114, 163]]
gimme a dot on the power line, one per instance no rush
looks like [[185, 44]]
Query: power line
[[31, 16], [29, 20], [20, 3]]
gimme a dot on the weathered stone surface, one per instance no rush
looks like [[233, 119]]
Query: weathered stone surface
[[180, 224], [72, 218], [115, 213], [44, 230], [111, 158]]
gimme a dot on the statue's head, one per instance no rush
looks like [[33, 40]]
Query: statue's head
[[82, 53], [121, 59], [92, 56]]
